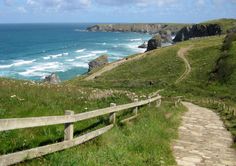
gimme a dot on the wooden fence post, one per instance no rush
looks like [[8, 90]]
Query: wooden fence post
[[69, 128], [112, 118], [135, 111]]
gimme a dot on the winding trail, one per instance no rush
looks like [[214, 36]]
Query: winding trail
[[106, 68], [181, 54], [203, 139]]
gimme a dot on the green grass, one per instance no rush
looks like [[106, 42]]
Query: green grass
[[143, 74], [161, 67], [24, 99], [144, 141], [147, 138]]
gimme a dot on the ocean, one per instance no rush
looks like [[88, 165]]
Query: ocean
[[33, 51]]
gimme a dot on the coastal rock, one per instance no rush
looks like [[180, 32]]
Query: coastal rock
[[154, 43], [144, 45], [198, 30], [98, 62], [140, 28], [52, 79], [166, 36]]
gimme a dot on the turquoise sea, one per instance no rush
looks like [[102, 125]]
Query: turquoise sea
[[33, 51]]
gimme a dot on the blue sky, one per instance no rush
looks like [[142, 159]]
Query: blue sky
[[185, 11]]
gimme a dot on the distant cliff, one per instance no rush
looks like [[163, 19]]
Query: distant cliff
[[198, 30], [141, 28]]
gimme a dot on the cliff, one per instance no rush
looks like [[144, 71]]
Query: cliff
[[198, 30], [140, 28]]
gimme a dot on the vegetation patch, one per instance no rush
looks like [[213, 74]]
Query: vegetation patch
[[144, 141]]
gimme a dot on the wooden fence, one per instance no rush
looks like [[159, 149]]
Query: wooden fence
[[68, 119]]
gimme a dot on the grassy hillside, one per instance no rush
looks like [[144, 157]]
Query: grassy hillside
[[27, 99], [140, 139], [224, 70], [160, 69], [145, 141], [226, 24]]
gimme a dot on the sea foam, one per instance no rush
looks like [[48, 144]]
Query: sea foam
[[55, 56], [81, 50], [42, 68], [99, 52], [138, 39], [22, 62], [86, 56]]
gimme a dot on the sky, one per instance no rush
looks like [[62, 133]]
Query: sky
[[115, 11]]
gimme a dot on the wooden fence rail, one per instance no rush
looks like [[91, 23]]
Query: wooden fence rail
[[68, 119]]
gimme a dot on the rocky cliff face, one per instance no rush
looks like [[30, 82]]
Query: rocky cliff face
[[98, 62], [142, 28], [154, 42], [198, 30], [159, 39]]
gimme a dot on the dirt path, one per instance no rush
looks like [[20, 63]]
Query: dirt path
[[181, 54], [203, 139], [111, 66]]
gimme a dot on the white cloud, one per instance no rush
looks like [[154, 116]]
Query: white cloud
[[57, 4], [141, 3]]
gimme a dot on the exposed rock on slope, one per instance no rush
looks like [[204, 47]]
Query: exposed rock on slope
[[98, 62], [157, 40], [154, 43], [166, 36], [142, 28], [197, 30], [52, 79]]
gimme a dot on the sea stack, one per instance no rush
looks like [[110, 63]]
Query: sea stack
[[98, 62], [154, 42], [52, 79]]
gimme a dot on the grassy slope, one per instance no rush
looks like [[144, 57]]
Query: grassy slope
[[145, 141], [162, 68], [34, 100]]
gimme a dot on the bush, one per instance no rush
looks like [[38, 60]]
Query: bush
[[227, 44], [224, 68]]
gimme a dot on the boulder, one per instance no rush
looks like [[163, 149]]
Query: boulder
[[98, 62], [144, 45], [52, 79], [166, 36], [154, 42], [198, 30]]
